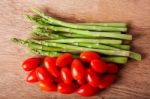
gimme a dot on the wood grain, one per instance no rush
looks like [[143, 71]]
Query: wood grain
[[134, 81]]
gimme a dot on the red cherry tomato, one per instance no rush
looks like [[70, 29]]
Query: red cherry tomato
[[99, 66], [64, 60], [77, 69], [66, 75], [93, 78], [43, 75], [112, 68], [48, 86], [58, 79], [50, 64], [31, 63], [32, 77], [66, 88], [106, 81], [81, 81], [87, 90], [88, 56]]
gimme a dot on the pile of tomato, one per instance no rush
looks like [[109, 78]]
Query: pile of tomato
[[85, 75]]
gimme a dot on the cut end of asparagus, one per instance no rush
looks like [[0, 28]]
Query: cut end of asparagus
[[135, 56], [116, 59]]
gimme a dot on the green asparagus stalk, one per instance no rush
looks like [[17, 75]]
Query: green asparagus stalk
[[77, 26], [41, 32], [135, 56], [36, 19], [77, 48], [73, 40], [106, 24], [123, 47], [115, 59], [96, 45], [88, 33], [45, 53], [32, 45]]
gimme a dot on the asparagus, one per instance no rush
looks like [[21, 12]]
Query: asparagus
[[123, 47], [106, 24], [71, 35], [77, 48], [135, 56], [45, 53], [60, 35], [36, 19], [40, 32], [32, 45], [115, 59], [77, 26], [96, 45], [73, 40], [88, 33]]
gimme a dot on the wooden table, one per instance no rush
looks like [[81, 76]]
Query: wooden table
[[134, 82]]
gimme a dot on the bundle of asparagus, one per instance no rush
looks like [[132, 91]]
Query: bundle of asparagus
[[108, 39]]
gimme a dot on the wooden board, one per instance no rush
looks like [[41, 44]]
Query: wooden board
[[134, 81]]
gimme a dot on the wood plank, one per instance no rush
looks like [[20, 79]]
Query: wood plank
[[134, 82]]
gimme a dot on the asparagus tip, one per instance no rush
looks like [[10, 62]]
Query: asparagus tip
[[14, 40]]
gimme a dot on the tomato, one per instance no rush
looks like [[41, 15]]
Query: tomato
[[106, 81], [32, 77], [112, 68], [88, 56], [77, 69], [66, 75], [47, 86], [31, 63], [93, 78], [58, 79], [99, 66], [43, 75], [87, 90], [64, 60], [81, 81], [66, 88], [50, 64]]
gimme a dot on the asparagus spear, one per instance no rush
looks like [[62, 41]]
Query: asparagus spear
[[115, 59], [41, 32], [135, 56], [77, 48], [60, 35], [96, 45], [77, 26], [88, 33], [73, 40], [106, 24], [45, 53], [124, 47], [32, 45]]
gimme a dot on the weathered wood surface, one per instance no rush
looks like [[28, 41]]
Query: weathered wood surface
[[134, 82]]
